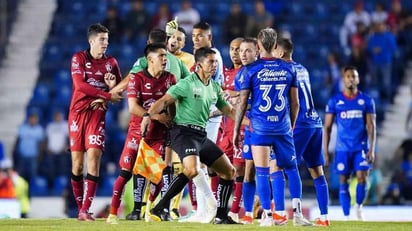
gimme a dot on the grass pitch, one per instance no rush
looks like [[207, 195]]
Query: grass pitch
[[124, 225]]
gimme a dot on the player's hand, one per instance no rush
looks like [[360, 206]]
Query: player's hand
[[236, 140], [327, 158], [171, 27], [95, 104], [144, 125], [110, 80], [370, 157], [116, 95]]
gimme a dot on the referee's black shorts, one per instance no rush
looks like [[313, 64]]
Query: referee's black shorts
[[192, 140]]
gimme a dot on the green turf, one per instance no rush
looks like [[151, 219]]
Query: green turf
[[100, 224]]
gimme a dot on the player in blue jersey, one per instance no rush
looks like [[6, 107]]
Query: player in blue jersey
[[354, 114], [248, 52], [307, 137], [272, 85]]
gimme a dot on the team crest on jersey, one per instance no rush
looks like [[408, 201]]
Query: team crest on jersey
[[361, 102], [108, 67], [127, 159]]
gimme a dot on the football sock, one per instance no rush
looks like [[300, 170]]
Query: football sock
[[224, 191], [192, 194], [118, 187], [90, 191], [175, 187], [139, 188], [361, 190], [322, 194], [77, 185], [344, 198], [278, 189], [248, 193], [237, 195], [295, 183], [263, 186]]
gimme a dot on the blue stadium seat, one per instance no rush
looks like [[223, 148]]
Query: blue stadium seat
[[62, 96], [62, 78], [41, 95], [38, 186], [60, 184]]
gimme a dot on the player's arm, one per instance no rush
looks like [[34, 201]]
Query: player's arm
[[371, 129], [327, 129], [156, 108], [139, 65], [294, 105], [239, 115], [78, 76]]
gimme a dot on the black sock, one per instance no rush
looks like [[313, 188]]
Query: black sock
[[139, 187], [167, 177], [224, 191], [175, 187]]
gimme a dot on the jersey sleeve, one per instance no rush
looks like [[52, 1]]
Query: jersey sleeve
[[132, 88], [370, 106], [330, 107], [221, 102], [179, 90], [139, 65], [116, 71], [78, 78], [183, 69], [243, 82]]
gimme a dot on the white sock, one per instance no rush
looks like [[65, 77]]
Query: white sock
[[297, 206], [204, 193]]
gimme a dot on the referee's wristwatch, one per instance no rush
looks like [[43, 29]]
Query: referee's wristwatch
[[146, 114]]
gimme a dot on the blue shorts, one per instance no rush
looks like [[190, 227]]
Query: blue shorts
[[308, 146], [282, 147], [349, 162], [247, 151]]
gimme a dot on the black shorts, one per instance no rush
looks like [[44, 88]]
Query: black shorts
[[192, 140]]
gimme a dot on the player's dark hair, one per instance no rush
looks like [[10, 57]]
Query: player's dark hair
[[182, 30], [286, 44], [95, 29], [153, 47], [157, 36], [203, 26], [202, 53], [349, 68], [250, 40], [268, 37]]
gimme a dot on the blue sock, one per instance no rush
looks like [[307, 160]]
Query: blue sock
[[248, 193], [344, 198], [322, 194], [295, 183], [361, 190], [263, 186], [278, 189]]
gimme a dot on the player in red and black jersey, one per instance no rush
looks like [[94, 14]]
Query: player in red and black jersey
[[93, 74], [144, 88]]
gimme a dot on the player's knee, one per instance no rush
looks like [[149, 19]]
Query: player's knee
[[190, 172], [228, 173]]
